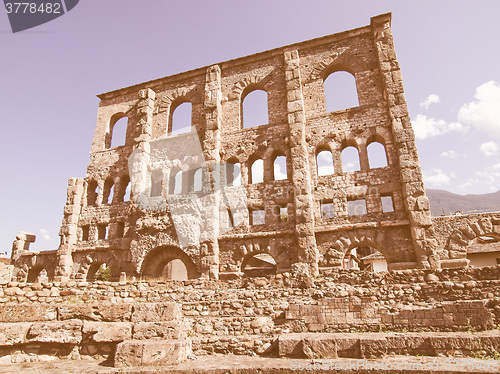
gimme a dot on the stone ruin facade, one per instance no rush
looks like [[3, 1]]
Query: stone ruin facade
[[192, 206], [195, 198]]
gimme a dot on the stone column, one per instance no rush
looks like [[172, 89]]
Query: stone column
[[21, 244], [69, 229], [139, 163], [416, 202], [209, 249], [307, 252]]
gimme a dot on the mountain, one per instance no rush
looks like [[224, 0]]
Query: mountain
[[444, 202]]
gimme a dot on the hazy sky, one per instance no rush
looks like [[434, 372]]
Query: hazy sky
[[448, 50]]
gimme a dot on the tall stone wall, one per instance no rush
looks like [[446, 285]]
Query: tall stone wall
[[139, 206]]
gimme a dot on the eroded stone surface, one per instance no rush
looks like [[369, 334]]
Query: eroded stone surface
[[136, 353], [155, 312], [56, 332], [108, 331], [13, 333], [27, 313]]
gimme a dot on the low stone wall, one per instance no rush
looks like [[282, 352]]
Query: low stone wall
[[354, 314], [94, 330], [374, 345], [243, 316]]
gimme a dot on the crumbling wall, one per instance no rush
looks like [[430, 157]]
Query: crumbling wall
[[127, 210], [244, 316]]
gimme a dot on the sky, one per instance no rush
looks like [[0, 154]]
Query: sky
[[50, 76]]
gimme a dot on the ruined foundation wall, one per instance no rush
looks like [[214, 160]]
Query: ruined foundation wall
[[242, 316]]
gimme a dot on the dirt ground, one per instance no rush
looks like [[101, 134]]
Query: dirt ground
[[252, 365]]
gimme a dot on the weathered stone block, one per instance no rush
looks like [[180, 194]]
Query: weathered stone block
[[114, 312], [290, 345], [76, 311], [165, 330], [135, 353], [373, 346], [68, 332], [321, 346], [27, 313], [401, 342], [108, 331], [13, 333], [347, 346], [156, 312], [99, 312]]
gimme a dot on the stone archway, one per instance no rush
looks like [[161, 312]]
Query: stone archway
[[455, 252], [278, 252], [258, 265], [165, 262], [37, 274], [36, 267]]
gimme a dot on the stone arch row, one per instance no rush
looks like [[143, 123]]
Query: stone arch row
[[107, 191], [244, 253], [460, 238], [241, 89], [36, 268], [360, 145], [92, 262], [269, 162], [178, 176], [334, 252]]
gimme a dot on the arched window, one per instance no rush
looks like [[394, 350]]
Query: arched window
[[175, 186], [180, 119], [107, 194], [377, 157], [350, 159], [340, 91], [279, 168], [233, 174], [156, 183], [198, 180], [117, 131], [324, 162], [257, 171], [254, 109]]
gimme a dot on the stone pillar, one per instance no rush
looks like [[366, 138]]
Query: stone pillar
[[69, 229], [21, 244], [139, 163], [209, 250], [364, 164], [416, 202], [307, 252]]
